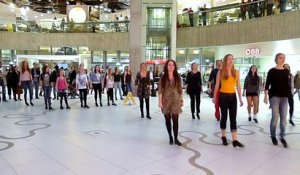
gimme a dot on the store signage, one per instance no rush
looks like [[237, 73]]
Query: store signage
[[253, 51]]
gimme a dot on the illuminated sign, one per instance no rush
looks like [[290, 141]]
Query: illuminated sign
[[253, 51]]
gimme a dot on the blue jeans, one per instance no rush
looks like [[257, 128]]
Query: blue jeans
[[279, 106], [118, 86], [3, 92], [129, 87], [47, 95], [36, 88], [27, 85]]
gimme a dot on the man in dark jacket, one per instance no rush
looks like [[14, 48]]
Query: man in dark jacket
[[53, 78], [35, 71]]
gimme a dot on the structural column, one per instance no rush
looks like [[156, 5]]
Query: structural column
[[135, 34]]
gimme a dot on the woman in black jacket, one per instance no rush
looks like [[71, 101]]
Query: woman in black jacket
[[15, 78], [194, 89]]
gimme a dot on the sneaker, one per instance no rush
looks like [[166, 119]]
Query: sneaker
[[193, 116], [284, 143], [148, 117], [86, 106], [274, 141], [114, 104], [68, 107], [50, 108], [198, 116], [61, 107], [249, 119]]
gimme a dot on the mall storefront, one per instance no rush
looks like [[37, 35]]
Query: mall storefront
[[260, 54]]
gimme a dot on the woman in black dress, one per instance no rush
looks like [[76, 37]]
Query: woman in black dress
[[142, 82], [194, 89]]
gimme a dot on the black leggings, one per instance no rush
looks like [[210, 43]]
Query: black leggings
[[63, 95], [291, 104], [195, 97], [142, 105], [83, 96], [174, 118], [228, 102], [97, 89], [110, 95]]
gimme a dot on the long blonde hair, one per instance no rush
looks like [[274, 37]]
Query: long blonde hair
[[224, 71]]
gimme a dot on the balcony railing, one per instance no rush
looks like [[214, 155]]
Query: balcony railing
[[54, 26], [234, 13]]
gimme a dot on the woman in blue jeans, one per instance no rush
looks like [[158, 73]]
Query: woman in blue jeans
[[278, 89], [128, 79], [47, 87], [26, 82], [117, 80]]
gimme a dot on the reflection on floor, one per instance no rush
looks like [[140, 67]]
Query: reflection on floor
[[113, 140]]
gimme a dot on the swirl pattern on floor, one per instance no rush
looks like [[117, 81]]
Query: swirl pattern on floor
[[23, 120], [197, 154]]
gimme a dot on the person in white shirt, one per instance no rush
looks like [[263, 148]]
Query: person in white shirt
[[82, 85]]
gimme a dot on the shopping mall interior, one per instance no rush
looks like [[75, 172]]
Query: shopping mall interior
[[115, 140]]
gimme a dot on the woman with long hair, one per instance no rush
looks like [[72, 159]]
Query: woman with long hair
[[170, 98], [194, 89], [62, 86], [142, 82], [97, 81], [47, 87], [117, 80], [109, 84], [14, 82], [128, 79], [26, 82], [291, 97], [228, 77], [278, 89], [252, 89], [82, 83]]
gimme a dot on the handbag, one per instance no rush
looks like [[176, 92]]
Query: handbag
[[19, 90]]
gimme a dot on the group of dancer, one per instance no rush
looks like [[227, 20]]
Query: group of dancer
[[224, 84]]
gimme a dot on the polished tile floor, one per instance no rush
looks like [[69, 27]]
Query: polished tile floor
[[113, 140]]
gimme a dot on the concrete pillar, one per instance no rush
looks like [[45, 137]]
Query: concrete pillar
[[135, 34], [105, 59]]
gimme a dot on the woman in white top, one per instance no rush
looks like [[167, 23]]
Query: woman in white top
[[109, 84], [82, 85]]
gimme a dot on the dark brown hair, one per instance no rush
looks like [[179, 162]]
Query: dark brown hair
[[165, 76]]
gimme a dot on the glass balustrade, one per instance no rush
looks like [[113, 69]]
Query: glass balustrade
[[54, 26], [233, 13]]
